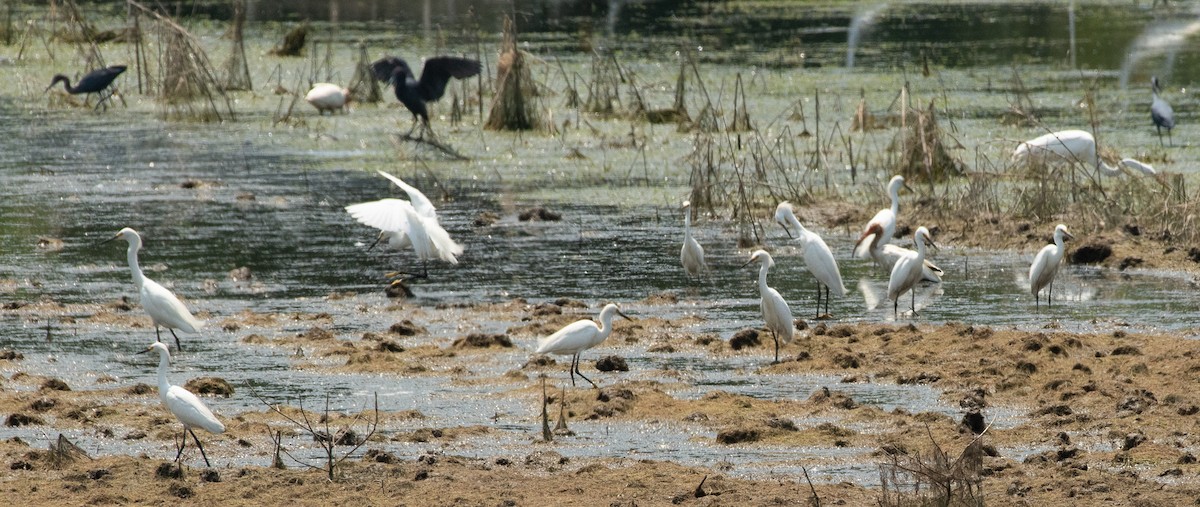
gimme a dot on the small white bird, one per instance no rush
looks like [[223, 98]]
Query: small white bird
[[775, 311], [818, 258], [186, 406], [1073, 146], [907, 271], [579, 336], [328, 97], [408, 223], [1045, 265], [164, 308], [887, 255], [691, 256], [882, 226]]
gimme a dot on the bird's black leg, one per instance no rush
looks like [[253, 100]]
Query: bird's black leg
[[594, 386], [178, 346], [914, 301], [818, 300], [1159, 129], [1050, 294], [193, 432], [1037, 301], [182, 444], [571, 368], [776, 338], [157, 333], [896, 308], [827, 300]]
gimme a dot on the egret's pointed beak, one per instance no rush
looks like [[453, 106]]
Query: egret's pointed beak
[[619, 312], [908, 188], [106, 241], [377, 240], [785, 229], [145, 350], [1068, 235]]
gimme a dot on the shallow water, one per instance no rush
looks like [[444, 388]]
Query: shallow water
[[270, 198]]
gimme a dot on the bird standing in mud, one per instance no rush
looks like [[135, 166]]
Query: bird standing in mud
[[1045, 266], [775, 311], [691, 256], [186, 406], [96, 81], [579, 336], [414, 93], [328, 97], [164, 308], [818, 258]]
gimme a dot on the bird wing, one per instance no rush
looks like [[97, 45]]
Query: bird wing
[[1161, 113], [438, 71], [692, 256], [572, 338], [446, 248], [166, 309], [190, 410], [383, 68], [820, 262], [1043, 269], [901, 277], [99, 79], [778, 315], [384, 214], [418, 200]]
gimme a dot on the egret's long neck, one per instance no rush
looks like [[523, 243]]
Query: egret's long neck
[[796, 223], [605, 325], [762, 278], [132, 255], [687, 222], [164, 363], [1058, 241], [894, 193], [920, 248]]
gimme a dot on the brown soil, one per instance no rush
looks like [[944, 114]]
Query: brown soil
[[1108, 419]]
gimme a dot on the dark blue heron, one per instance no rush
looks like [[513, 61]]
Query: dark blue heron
[[96, 81], [414, 93], [1161, 112]]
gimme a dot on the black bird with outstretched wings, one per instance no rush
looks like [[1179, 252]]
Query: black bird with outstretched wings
[[414, 93]]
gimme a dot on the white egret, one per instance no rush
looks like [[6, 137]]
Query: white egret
[[579, 336], [164, 308], [328, 97], [408, 223], [1160, 112], [882, 226], [907, 271], [818, 258], [691, 256], [1045, 265], [186, 406], [775, 311], [887, 255], [1073, 146]]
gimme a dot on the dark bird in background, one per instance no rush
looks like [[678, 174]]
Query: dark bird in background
[[414, 93], [97, 81], [1161, 112]]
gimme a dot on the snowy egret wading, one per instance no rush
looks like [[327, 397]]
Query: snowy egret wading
[[775, 311], [1045, 266], [908, 271], [579, 336], [186, 406], [164, 308], [691, 256]]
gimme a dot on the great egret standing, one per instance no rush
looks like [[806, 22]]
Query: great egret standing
[[691, 256], [96, 81], [328, 97], [415, 93], [164, 308], [818, 258], [579, 336], [1045, 266], [186, 406], [775, 311], [1161, 112], [1073, 146], [408, 223], [882, 226], [907, 272]]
